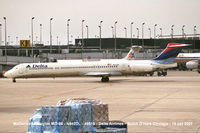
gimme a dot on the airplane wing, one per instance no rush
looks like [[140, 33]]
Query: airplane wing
[[97, 74]]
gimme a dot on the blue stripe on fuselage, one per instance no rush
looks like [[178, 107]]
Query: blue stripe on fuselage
[[165, 61]]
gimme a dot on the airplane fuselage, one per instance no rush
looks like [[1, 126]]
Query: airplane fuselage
[[191, 60], [185, 57], [100, 68]]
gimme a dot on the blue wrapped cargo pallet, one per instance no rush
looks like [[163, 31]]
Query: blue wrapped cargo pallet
[[72, 116]]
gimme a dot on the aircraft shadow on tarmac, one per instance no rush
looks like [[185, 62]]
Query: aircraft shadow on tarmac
[[89, 80], [160, 81]]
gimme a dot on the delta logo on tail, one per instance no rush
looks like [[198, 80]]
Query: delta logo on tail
[[131, 55], [133, 52]]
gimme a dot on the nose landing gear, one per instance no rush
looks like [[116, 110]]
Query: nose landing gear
[[13, 80]]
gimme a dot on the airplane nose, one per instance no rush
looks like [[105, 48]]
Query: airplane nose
[[6, 74]]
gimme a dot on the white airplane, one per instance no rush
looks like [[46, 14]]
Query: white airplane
[[100, 68], [191, 60]]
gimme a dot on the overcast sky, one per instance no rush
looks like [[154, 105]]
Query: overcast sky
[[162, 12]]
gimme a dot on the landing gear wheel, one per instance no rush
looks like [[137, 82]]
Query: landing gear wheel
[[164, 73], [151, 74], [198, 70], [14, 80], [159, 73], [104, 79], [107, 79]]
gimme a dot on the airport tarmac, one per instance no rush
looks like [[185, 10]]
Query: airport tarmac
[[148, 104]]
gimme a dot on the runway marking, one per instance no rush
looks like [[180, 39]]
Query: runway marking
[[46, 96], [198, 129], [149, 104]]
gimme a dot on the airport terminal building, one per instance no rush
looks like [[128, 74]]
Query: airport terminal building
[[105, 48], [124, 43]]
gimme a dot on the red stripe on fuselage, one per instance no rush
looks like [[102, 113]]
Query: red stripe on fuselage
[[186, 59]]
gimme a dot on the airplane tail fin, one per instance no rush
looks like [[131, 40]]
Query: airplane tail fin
[[132, 53], [170, 52]]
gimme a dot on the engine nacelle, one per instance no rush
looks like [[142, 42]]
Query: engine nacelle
[[143, 68], [192, 64]]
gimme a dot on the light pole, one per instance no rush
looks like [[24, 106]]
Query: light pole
[[36, 40], [160, 32], [50, 36], [125, 31], [8, 40], [40, 33], [183, 30], [115, 35], [32, 34], [100, 34], [172, 30], [112, 31], [143, 30], [150, 33], [0, 34], [82, 34], [57, 40], [87, 31], [58, 44], [16, 40], [72, 37], [5, 36], [138, 33], [131, 32], [195, 30], [68, 32], [143, 34], [155, 31]]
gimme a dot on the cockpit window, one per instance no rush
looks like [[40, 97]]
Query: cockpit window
[[15, 68]]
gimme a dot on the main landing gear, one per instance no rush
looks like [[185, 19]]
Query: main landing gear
[[162, 73], [105, 79], [198, 70], [14, 80], [151, 73]]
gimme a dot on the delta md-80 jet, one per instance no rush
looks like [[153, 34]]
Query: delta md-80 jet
[[103, 68]]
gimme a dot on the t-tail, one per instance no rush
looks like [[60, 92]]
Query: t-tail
[[132, 53], [168, 55]]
